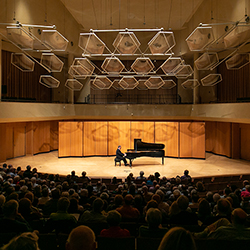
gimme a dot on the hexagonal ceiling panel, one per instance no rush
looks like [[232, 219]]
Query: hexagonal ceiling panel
[[116, 85], [54, 40], [170, 64], [237, 61], [102, 82], [22, 62], [49, 81], [200, 38], [211, 80], [81, 68], [73, 84], [51, 62], [126, 43], [90, 43], [142, 65], [206, 61], [25, 40], [183, 71], [162, 42], [190, 84], [154, 82], [168, 84], [128, 82], [239, 35], [112, 65]]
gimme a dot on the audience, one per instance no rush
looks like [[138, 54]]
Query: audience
[[25, 241], [127, 211], [114, 231], [29, 197], [177, 238], [80, 238], [154, 228], [95, 215]]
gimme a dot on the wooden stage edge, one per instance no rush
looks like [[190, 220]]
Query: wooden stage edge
[[213, 165]]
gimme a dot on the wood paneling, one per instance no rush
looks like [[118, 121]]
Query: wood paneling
[[10, 141], [198, 139], [41, 137], [161, 134], [223, 139], [76, 139], [136, 132], [23, 85], [29, 138], [172, 144], [16, 140], [3, 140], [19, 141], [234, 84], [124, 135], [113, 139], [101, 138], [89, 138], [244, 141], [149, 132], [210, 136], [64, 139], [236, 141], [218, 138], [53, 135], [185, 139]]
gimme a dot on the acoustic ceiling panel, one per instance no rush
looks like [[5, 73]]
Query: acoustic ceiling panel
[[162, 42], [49, 81], [190, 84], [200, 38], [142, 65], [211, 80], [22, 62], [73, 84], [54, 40], [126, 43]]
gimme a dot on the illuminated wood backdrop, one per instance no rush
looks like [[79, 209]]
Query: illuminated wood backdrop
[[82, 138], [181, 139]]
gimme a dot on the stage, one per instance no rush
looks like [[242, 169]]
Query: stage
[[104, 166]]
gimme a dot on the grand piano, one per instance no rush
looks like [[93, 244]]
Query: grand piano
[[145, 149]]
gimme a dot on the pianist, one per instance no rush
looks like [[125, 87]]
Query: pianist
[[120, 156]]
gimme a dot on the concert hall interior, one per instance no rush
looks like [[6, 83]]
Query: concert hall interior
[[78, 78]]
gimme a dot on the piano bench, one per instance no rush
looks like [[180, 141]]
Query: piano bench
[[117, 160]]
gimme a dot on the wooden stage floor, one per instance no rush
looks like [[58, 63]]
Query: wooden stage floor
[[104, 166]]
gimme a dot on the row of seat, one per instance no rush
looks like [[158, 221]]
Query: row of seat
[[57, 242]]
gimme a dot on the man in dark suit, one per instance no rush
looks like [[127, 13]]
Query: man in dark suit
[[120, 156]]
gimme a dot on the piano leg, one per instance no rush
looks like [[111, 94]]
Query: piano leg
[[130, 163], [162, 161]]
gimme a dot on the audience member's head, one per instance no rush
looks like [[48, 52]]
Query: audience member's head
[[239, 217], [24, 206], [25, 241], [10, 209], [81, 238], [55, 193], [204, 208], [63, 204], [118, 200], [98, 205], [154, 217], [177, 238], [2, 200], [182, 202], [128, 199], [113, 218], [224, 206]]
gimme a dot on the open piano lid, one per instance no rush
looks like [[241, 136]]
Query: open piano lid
[[144, 146]]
